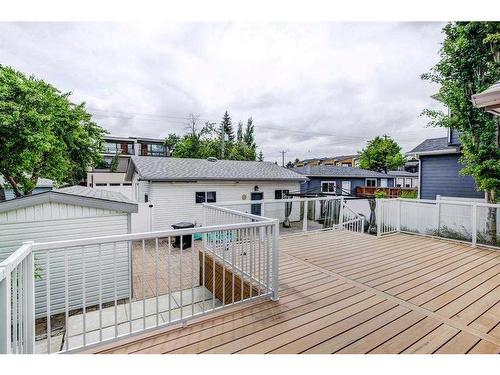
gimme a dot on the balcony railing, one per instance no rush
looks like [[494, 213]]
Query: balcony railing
[[153, 153], [301, 215], [95, 290], [114, 150]]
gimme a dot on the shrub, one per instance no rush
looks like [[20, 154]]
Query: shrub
[[409, 194]]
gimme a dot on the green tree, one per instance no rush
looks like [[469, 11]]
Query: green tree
[[113, 167], [239, 132], [227, 126], [261, 156], [43, 134], [249, 137], [466, 67], [381, 154], [170, 142]]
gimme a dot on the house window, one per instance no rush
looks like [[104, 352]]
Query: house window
[[328, 186], [205, 196], [408, 182], [399, 182], [371, 182], [280, 194]]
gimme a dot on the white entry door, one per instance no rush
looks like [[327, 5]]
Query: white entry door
[[346, 187], [383, 182]]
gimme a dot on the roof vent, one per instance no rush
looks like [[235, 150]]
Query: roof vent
[[212, 159]]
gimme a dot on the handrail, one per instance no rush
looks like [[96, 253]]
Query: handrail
[[284, 200], [236, 212], [145, 235], [437, 201]]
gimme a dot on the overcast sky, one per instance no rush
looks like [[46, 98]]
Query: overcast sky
[[313, 89]]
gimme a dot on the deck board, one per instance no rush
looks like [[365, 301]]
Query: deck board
[[342, 292]]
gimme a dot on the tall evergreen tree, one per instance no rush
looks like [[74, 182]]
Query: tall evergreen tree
[[261, 156], [227, 126], [239, 133], [249, 137]]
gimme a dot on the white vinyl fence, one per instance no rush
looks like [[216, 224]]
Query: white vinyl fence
[[474, 222]]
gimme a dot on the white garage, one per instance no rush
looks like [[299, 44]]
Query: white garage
[[176, 188], [63, 214]]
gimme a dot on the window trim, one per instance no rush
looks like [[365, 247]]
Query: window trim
[[370, 179], [282, 193], [334, 182], [205, 196]]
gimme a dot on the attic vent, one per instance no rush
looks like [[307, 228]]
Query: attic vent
[[212, 159]]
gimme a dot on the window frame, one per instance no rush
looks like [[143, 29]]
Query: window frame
[[198, 194], [329, 182], [282, 193], [370, 179]]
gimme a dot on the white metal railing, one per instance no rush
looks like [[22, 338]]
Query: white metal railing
[[472, 222], [17, 321], [301, 215], [99, 289]]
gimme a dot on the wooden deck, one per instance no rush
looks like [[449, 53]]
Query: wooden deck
[[343, 292]]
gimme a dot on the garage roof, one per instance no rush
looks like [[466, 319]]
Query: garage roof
[[176, 169], [74, 195]]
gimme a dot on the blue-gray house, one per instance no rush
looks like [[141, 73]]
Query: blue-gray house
[[341, 180], [440, 167]]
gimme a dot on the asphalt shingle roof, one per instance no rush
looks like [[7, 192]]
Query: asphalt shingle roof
[[87, 192], [177, 169], [402, 173], [434, 144], [337, 171]]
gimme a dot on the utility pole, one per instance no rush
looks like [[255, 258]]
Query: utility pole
[[283, 157]]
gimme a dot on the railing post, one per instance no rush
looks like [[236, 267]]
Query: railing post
[[362, 224], [341, 212], [399, 216], [5, 310], [474, 225], [438, 216], [304, 222], [378, 214], [275, 260], [30, 301]]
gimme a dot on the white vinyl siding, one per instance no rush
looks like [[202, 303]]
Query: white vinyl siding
[[55, 222], [175, 202]]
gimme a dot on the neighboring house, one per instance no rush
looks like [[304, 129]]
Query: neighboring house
[[71, 213], [404, 179], [125, 147], [440, 167], [176, 188], [341, 180], [42, 185], [341, 161]]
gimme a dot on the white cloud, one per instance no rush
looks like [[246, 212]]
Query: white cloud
[[345, 81]]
